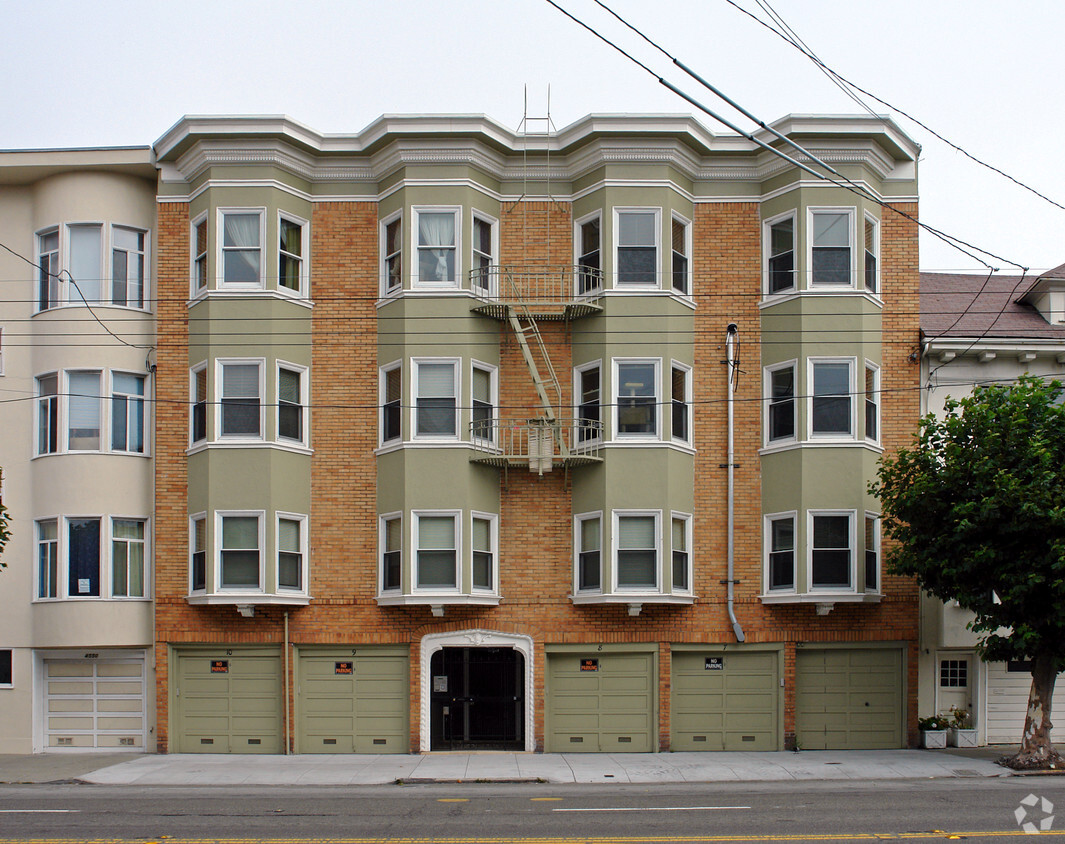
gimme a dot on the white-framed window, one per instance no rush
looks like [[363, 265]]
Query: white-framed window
[[48, 558], [588, 551], [872, 254], [680, 232], [780, 405], [128, 266], [128, 558], [831, 541], [47, 269], [198, 552], [831, 238], [6, 674], [831, 397], [484, 544], [391, 397], [436, 542], [127, 412], [84, 410], [48, 413], [291, 552], [636, 398], [239, 536], [199, 254], [198, 395], [588, 240], [587, 387], [872, 402], [778, 245], [872, 552], [83, 557], [435, 383], [636, 251], [484, 395], [392, 253], [240, 407], [241, 248], [293, 387], [637, 540], [390, 538], [680, 385], [485, 249], [292, 242], [779, 544], [85, 263], [681, 543], [436, 247]]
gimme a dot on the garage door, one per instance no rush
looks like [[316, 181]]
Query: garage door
[[725, 701], [94, 703], [600, 701], [227, 701], [1007, 701], [353, 700], [849, 698]]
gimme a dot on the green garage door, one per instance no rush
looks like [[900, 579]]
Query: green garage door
[[849, 698], [353, 700], [227, 701], [600, 701], [725, 701]]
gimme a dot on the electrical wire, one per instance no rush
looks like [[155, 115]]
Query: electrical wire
[[801, 47]]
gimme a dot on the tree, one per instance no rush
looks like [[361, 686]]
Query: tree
[[5, 533], [977, 509]]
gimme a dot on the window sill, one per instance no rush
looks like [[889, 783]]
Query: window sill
[[121, 599], [771, 299], [438, 601], [817, 443], [818, 597], [229, 444], [249, 293], [251, 597], [633, 597]]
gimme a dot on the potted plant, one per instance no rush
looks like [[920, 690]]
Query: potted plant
[[933, 731], [961, 733]]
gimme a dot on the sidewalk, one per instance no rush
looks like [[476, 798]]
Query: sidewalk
[[322, 769]]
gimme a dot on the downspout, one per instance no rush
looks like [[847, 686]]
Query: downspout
[[288, 725], [730, 359]]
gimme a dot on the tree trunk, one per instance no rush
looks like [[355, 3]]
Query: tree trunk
[[1036, 750]]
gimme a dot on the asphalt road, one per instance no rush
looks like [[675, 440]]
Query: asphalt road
[[913, 810]]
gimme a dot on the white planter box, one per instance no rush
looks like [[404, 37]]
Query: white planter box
[[933, 739], [962, 738]]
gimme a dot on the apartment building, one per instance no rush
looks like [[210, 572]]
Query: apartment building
[[979, 330], [76, 339], [442, 436]]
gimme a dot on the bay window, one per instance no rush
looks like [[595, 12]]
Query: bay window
[[436, 247], [127, 267], [636, 556], [831, 248], [436, 551], [637, 248], [242, 249], [240, 550], [127, 412]]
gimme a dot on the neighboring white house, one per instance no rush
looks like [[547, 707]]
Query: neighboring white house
[[77, 332], [978, 330]]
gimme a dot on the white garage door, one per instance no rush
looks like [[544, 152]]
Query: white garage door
[[1007, 701], [94, 703]]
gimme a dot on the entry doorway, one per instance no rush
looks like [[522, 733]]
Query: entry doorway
[[477, 699]]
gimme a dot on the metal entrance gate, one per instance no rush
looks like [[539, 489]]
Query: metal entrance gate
[[477, 699]]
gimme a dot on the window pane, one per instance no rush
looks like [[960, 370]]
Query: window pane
[[637, 569], [240, 248], [831, 230], [436, 569], [831, 402], [482, 535], [290, 410], [83, 411], [85, 262], [636, 228], [436, 532], [831, 556], [636, 398], [240, 532], [288, 535], [83, 551]]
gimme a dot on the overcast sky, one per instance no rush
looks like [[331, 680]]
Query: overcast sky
[[986, 75]]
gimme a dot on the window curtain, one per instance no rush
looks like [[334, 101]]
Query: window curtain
[[437, 233], [241, 245]]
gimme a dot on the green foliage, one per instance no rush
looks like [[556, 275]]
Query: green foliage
[[5, 533], [977, 506]]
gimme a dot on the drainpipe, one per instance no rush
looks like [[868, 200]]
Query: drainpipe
[[288, 726], [730, 359]]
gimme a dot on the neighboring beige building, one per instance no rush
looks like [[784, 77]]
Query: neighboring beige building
[[76, 630], [977, 332]]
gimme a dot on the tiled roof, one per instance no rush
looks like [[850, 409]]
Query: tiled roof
[[957, 305]]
